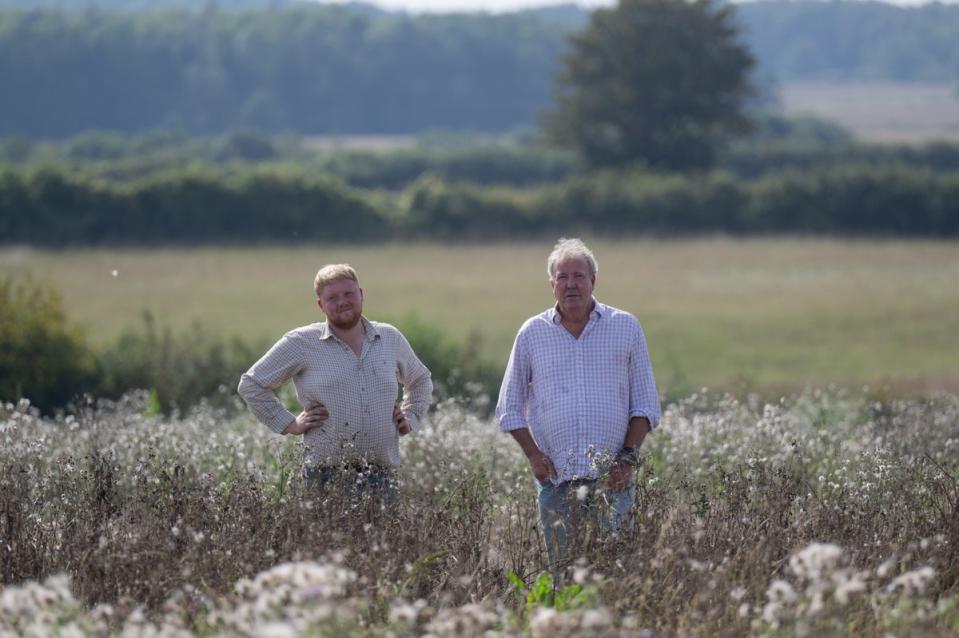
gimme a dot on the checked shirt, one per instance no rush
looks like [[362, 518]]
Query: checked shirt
[[577, 396], [359, 392]]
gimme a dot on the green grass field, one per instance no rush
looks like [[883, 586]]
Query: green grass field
[[772, 314]]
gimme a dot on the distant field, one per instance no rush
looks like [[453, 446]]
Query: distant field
[[882, 112], [752, 314]]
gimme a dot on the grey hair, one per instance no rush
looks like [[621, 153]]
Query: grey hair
[[570, 248]]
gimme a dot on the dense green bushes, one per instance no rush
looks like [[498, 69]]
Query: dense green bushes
[[892, 201], [511, 159], [41, 355], [52, 208], [481, 165], [180, 369], [850, 201], [458, 371], [47, 360], [777, 144]]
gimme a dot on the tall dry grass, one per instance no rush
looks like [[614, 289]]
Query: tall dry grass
[[821, 515]]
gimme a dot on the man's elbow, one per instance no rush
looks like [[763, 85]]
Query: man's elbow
[[423, 387], [247, 387]]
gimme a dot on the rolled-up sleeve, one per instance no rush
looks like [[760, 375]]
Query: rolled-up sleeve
[[511, 408], [643, 397], [417, 383], [280, 364]]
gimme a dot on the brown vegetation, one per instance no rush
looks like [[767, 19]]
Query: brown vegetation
[[824, 514]]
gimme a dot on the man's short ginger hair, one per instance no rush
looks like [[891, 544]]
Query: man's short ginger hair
[[330, 273]]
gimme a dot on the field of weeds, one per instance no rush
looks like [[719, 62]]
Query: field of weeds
[[821, 515]]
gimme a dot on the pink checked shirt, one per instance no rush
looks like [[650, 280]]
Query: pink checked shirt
[[577, 395]]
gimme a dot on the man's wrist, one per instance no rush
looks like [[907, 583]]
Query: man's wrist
[[629, 456], [536, 454]]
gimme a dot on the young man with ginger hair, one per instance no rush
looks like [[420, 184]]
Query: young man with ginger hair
[[346, 372]]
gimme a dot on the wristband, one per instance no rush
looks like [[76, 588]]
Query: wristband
[[630, 456]]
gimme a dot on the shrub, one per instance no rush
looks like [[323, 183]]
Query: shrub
[[180, 369], [283, 203], [42, 357], [459, 371]]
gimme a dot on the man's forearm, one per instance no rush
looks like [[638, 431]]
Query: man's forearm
[[289, 425], [540, 464], [525, 440], [417, 396], [637, 431], [264, 404]]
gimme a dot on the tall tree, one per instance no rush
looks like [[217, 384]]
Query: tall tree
[[656, 82]]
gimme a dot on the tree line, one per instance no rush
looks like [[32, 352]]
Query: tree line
[[307, 69], [50, 207], [342, 69], [775, 145], [853, 41]]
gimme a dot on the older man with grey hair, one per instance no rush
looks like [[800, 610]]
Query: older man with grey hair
[[346, 372], [579, 397]]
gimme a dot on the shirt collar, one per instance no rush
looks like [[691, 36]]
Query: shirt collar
[[371, 331], [555, 318]]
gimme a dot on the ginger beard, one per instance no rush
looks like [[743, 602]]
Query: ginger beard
[[345, 320], [342, 303]]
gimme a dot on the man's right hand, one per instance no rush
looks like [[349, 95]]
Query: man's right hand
[[540, 464], [312, 417], [542, 467]]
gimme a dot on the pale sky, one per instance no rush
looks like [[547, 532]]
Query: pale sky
[[498, 6], [493, 6]]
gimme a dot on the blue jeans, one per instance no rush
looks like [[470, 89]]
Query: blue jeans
[[374, 482], [562, 513]]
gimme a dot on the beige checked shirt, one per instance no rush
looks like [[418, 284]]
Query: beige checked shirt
[[359, 392]]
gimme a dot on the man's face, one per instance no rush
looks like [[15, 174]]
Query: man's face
[[573, 285], [342, 303]]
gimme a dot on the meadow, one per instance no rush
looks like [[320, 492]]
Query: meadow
[[768, 511], [761, 315], [886, 112], [823, 515]]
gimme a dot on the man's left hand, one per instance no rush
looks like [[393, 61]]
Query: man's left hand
[[620, 476], [399, 419]]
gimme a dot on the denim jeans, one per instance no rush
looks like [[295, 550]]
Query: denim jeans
[[578, 509], [373, 482]]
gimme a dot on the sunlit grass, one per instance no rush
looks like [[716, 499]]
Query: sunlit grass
[[765, 313]]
